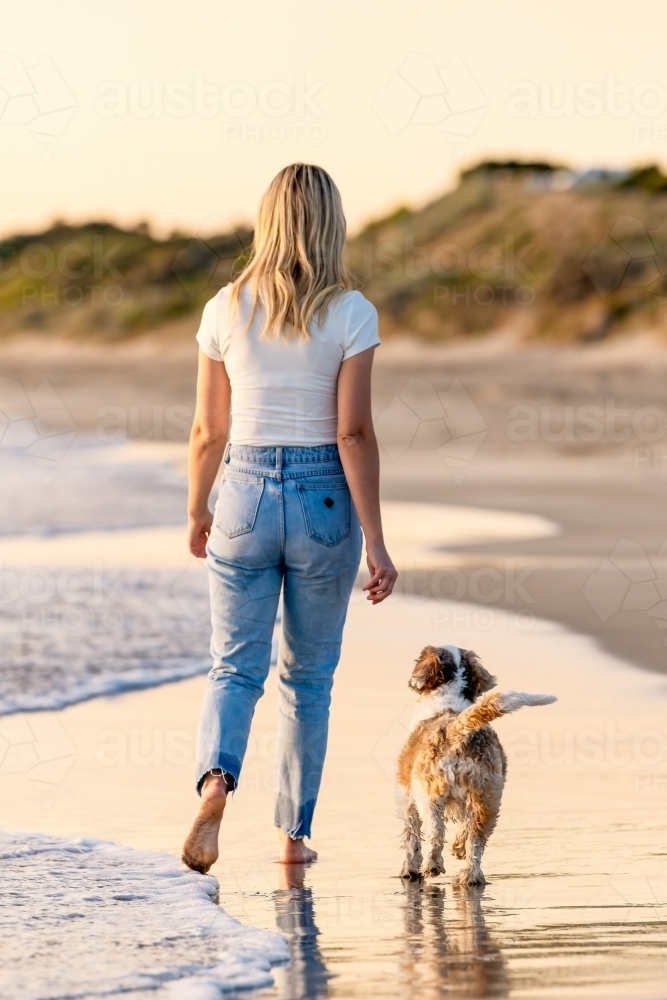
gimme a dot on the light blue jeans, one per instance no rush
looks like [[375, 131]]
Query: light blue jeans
[[284, 519]]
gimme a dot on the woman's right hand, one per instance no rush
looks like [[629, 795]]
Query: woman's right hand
[[383, 573], [199, 528]]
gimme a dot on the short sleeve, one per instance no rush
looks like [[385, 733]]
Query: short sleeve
[[362, 326], [207, 334]]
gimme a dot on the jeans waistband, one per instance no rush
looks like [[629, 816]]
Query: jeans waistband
[[279, 457]]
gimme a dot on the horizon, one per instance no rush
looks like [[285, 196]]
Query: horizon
[[159, 235]]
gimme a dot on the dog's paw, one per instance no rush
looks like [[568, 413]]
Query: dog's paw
[[409, 874], [473, 877], [432, 870]]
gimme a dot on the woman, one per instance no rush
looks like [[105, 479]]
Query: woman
[[287, 351]]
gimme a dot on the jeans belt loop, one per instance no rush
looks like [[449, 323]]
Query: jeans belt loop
[[225, 457], [279, 458]]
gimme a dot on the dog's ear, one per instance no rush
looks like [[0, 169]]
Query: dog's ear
[[428, 673], [480, 678]]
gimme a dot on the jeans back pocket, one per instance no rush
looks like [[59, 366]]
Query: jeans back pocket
[[237, 505], [326, 511]]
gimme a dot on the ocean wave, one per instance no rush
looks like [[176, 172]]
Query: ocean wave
[[73, 632], [83, 918], [93, 486], [67, 635]]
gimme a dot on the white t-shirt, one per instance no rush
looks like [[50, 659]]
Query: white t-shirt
[[285, 392]]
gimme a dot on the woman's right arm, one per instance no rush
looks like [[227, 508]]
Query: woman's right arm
[[361, 461], [208, 438]]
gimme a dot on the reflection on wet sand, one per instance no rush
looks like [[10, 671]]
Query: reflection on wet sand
[[445, 949], [449, 951], [306, 976], [577, 894]]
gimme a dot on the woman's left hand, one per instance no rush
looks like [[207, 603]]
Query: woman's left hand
[[383, 573], [199, 528]]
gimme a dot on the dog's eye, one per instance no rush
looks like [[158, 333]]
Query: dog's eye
[[328, 502]]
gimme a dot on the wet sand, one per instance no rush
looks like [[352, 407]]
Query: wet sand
[[576, 899], [603, 491], [577, 868]]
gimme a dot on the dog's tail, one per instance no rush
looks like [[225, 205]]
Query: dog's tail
[[489, 707]]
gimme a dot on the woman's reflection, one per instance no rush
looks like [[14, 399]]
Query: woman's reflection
[[306, 975], [448, 949]]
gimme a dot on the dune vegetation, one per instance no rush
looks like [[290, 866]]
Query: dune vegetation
[[530, 246]]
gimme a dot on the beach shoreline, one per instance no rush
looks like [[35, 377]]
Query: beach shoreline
[[601, 492], [579, 827]]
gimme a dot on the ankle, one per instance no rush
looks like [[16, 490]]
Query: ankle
[[214, 787]]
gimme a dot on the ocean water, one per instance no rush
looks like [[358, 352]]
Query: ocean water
[[68, 633], [86, 918], [145, 627], [92, 485]]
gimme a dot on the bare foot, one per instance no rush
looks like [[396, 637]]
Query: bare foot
[[200, 850], [294, 852]]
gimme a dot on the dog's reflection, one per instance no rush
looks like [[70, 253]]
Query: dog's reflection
[[306, 975], [448, 948]]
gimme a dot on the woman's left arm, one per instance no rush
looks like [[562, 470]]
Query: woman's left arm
[[361, 461], [208, 438]]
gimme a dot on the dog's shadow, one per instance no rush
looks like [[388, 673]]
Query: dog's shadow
[[448, 948]]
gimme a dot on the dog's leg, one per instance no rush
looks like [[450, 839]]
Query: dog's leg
[[459, 845], [432, 814], [478, 825], [478, 822], [475, 843], [411, 840]]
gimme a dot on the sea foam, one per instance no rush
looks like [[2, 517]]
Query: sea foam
[[83, 918]]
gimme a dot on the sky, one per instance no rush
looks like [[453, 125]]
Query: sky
[[180, 113]]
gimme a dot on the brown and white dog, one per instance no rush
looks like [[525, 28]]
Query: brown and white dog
[[452, 767]]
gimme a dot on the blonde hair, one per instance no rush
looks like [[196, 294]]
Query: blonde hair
[[296, 267]]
